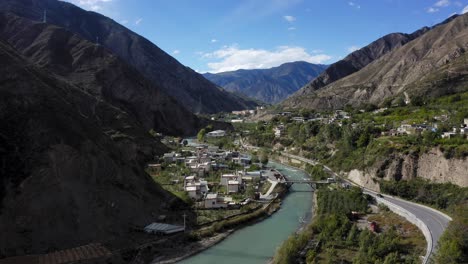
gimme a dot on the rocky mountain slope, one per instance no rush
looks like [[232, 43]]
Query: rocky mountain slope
[[98, 72], [430, 65], [358, 60], [268, 85], [188, 87], [70, 164]]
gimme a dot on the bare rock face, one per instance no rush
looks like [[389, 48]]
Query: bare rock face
[[268, 85], [432, 64], [189, 88], [70, 165], [435, 167], [432, 165]]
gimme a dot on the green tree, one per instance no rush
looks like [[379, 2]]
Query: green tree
[[201, 135]]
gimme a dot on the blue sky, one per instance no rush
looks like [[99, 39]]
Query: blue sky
[[224, 35]]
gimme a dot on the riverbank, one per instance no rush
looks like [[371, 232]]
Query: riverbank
[[308, 218], [223, 229], [256, 243]]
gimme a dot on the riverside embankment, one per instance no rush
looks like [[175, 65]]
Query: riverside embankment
[[257, 243]]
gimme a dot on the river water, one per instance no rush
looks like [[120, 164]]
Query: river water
[[257, 243]]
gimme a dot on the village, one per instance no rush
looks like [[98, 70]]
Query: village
[[214, 178]]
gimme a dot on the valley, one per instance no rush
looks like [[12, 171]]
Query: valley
[[233, 132]]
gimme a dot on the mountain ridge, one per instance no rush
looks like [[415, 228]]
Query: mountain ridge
[[430, 65], [268, 85], [185, 85]]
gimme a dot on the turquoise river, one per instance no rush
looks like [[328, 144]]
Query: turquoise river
[[257, 243]]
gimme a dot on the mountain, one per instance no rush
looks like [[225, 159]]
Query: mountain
[[432, 64], [97, 71], [355, 61], [65, 180], [185, 85], [268, 85]]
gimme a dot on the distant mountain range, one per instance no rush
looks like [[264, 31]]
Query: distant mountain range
[[268, 85], [189, 88], [428, 62]]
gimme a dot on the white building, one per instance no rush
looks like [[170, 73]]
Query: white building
[[195, 188], [213, 200], [233, 186], [225, 178], [216, 133]]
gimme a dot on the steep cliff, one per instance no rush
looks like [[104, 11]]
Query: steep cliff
[[431, 165]]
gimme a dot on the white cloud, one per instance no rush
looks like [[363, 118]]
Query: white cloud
[[124, 22], [352, 48], [290, 19], [231, 58], [291, 28], [315, 51], [214, 40], [442, 3], [175, 52], [465, 9], [439, 4], [354, 5], [138, 21]]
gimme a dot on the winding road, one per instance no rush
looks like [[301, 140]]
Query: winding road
[[435, 221]]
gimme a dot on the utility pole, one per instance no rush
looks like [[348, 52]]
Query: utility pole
[[44, 18], [184, 215]]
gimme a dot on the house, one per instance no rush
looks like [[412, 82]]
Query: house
[[154, 168], [392, 132], [192, 192], [298, 119], [464, 131], [233, 186], [225, 178], [196, 188], [214, 200], [169, 157], [216, 133], [250, 175], [448, 134], [278, 131], [244, 161]]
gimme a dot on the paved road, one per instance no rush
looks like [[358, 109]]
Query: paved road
[[436, 221]]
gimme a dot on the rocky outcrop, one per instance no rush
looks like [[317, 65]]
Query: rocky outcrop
[[268, 85], [189, 88], [435, 167], [364, 179], [432, 165]]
